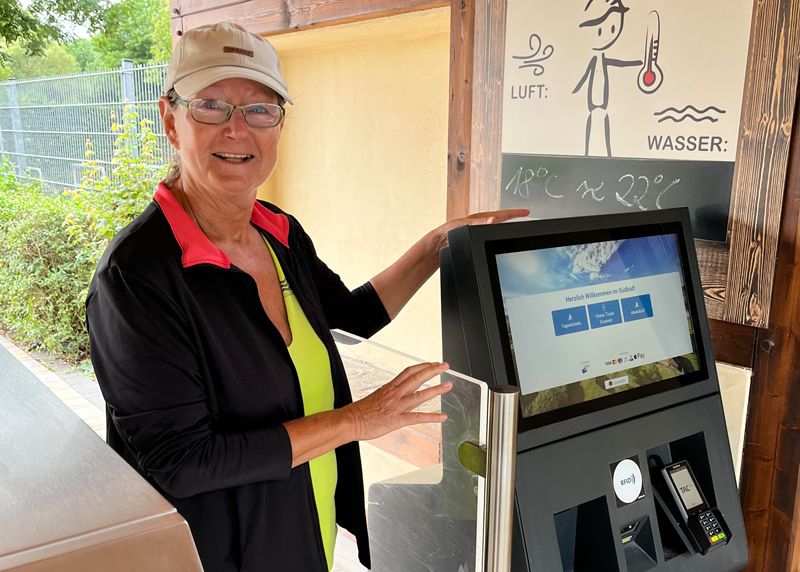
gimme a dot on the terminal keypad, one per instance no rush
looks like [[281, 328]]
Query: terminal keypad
[[711, 526]]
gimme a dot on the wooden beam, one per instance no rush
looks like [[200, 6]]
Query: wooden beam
[[278, 16], [194, 6], [487, 104], [772, 436], [459, 136], [733, 343], [713, 260], [476, 105], [761, 158]]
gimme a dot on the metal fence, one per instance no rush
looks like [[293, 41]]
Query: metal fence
[[45, 123]]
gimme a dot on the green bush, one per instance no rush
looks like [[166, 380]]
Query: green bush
[[52, 242]]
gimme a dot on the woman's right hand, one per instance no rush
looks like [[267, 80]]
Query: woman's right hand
[[390, 407]]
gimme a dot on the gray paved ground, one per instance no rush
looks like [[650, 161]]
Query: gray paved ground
[[74, 377], [73, 388]]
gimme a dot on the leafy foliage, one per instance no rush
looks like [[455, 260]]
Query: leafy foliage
[[36, 23], [56, 59], [137, 30], [43, 275], [85, 54], [52, 242], [161, 35], [104, 204]]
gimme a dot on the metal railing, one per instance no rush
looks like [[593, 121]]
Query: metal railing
[[45, 123]]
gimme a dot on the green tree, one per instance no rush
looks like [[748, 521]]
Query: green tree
[[138, 30], [85, 54], [34, 24], [161, 48], [54, 60]]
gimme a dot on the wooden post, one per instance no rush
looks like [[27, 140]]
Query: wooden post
[[768, 485], [761, 158], [476, 105]]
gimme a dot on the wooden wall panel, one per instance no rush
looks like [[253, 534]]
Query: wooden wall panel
[[768, 485]]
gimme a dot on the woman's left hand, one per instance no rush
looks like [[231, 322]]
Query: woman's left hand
[[489, 217]]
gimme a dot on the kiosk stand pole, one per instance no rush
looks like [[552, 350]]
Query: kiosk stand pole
[[500, 474]]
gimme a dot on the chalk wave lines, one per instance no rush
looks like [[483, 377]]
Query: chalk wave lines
[[689, 112]]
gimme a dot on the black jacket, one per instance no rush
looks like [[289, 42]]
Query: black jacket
[[198, 382]]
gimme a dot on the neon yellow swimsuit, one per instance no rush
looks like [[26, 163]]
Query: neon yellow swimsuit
[[310, 358]]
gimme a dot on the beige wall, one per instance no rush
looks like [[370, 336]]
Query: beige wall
[[363, 155]]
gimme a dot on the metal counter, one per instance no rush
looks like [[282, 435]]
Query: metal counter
[[67, 501]]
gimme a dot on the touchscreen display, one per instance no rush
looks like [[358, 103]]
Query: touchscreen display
[[588, 321], [686, 487]]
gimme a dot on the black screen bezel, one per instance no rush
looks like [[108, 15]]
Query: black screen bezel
[[494, 247]]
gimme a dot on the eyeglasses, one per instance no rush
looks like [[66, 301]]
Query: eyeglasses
[[213, 112]]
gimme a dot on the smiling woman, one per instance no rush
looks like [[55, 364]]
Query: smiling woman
[[222, 145], [209, 318]]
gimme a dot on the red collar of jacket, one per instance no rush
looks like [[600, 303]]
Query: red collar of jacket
[[195, 246]]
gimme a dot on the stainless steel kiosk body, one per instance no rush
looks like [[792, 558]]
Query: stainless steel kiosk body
[[69, 503], [623, 460]]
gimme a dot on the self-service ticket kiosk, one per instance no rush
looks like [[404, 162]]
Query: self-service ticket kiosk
[[623, 459]]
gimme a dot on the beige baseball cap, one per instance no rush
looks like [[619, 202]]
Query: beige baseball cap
[[208, 54]]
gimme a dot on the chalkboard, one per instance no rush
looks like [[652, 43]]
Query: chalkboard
[[559, 186]]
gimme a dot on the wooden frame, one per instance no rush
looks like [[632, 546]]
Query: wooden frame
[[279, 16], [737, 277]]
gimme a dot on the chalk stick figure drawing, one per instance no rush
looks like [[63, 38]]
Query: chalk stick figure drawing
[[605, 20]]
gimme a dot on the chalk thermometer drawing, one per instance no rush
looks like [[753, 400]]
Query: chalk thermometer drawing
[[651, 76]]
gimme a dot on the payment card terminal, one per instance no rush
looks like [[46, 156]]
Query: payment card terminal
[[705, 524]]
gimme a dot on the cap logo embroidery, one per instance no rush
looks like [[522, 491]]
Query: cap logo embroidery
[[231, 49]]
